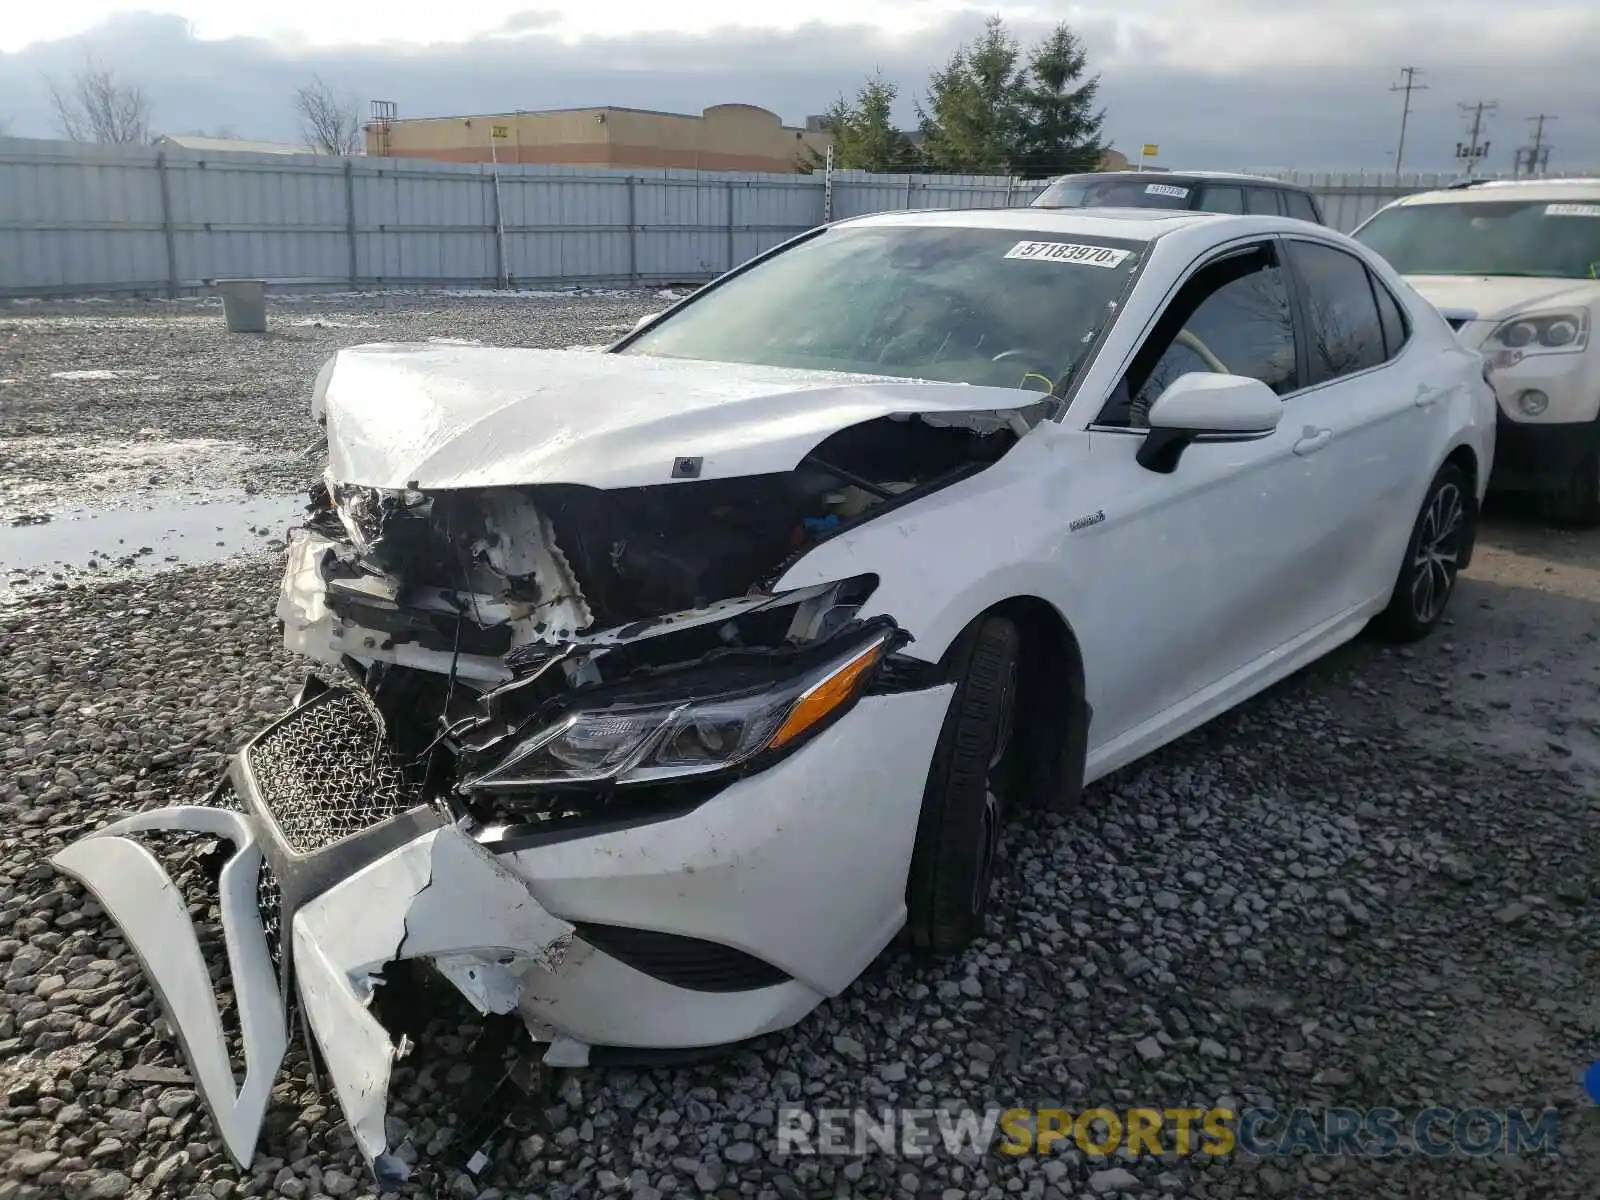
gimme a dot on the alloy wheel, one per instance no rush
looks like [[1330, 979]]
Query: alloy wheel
[[1433, 569], [993, 816]]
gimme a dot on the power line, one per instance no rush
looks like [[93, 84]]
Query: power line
[[1409, 86], [1473, 151]]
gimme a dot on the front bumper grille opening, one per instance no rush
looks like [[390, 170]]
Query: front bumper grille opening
[[685, 962], [269, 899], [328, 771]]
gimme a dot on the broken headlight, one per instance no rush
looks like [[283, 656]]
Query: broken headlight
[[643, 742]]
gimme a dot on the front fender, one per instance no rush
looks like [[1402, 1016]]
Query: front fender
[[945, 558]]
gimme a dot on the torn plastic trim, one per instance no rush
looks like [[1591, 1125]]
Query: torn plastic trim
[[440, 895], [148, 908]]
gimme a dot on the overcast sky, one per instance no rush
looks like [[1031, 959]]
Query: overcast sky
[[1224, 84]]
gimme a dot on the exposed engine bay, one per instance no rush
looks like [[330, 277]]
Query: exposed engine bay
[[478, 619]]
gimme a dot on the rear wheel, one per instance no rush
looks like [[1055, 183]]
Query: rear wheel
[[1579, 502], [1439, 540], [969, 783]]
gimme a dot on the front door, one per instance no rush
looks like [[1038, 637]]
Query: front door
[[1209, 561]]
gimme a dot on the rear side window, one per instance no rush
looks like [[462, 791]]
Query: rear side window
[[1221, 198], [1345, 330], [1392, 316], [1262, 200], [1301, 208]]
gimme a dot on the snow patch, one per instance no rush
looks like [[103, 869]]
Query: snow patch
[[94, 374]]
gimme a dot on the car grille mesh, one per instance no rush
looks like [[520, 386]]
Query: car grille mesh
[[327, 771]]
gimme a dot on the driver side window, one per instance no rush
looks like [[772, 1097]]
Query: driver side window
[[1232, 316]]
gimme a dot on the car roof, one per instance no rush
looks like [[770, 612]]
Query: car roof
[[1170, 176], [1129, 224], [1489, 190]]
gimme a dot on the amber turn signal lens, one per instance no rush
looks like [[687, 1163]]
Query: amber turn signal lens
[[825, 696]]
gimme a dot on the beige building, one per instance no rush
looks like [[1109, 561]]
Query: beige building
[[725, 137]]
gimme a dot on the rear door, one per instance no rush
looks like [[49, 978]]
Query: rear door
[[1364, 419]]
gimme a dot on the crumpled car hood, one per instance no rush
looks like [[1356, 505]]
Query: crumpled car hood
[[444, 416]]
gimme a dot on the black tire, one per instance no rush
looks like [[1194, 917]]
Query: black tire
[[963, 805], [1577, 504], [1439, 541]]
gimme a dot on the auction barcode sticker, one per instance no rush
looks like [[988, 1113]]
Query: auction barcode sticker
[[1166, 189], [1572, 210], [1068, 252]]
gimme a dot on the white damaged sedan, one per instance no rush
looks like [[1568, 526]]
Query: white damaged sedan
[[667, 685]]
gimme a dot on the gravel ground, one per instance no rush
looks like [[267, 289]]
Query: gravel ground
[[1372, 886]]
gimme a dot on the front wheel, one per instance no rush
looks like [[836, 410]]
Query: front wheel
[[1427, 578], [963, 805]]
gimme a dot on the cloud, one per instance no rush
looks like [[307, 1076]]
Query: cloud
[[1241, 83], [528, 21]]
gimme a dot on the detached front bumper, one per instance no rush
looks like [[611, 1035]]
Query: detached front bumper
[[335, 873], [338, 943]]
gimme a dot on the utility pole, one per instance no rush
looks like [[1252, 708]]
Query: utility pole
[[1537, 156], [1409, 86], [1474, 152]]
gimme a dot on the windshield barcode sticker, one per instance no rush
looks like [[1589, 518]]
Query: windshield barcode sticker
[[1167, 189], [1067, 252], [1572, 210]]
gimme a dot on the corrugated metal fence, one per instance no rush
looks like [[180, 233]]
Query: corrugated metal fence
[[95, 220], [103, 220]]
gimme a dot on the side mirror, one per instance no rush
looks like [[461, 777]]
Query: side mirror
[[1210, 406], [643, 321]]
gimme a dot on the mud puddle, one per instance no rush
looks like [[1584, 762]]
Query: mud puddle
[[140, 534]]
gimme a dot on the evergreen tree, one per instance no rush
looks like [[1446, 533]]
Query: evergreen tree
[[1060, 127], [864, 134], [972, 118], [988, 113]]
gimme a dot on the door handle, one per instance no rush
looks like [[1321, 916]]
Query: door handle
[[1312, 439], [1427, 397]]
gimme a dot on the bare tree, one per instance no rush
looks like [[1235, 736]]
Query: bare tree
[[328, 122], [95, 106]]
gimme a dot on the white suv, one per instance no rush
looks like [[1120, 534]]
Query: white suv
[[1515, 268]]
